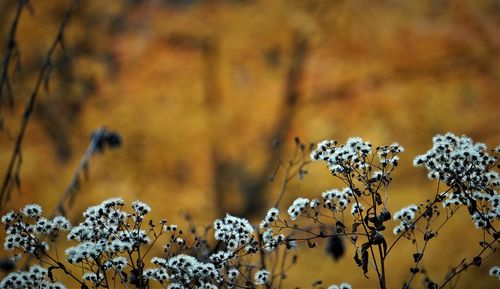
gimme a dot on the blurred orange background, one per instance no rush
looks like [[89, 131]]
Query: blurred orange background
[[199, 90]]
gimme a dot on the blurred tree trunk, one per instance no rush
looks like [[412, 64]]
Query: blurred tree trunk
[[227, 173]]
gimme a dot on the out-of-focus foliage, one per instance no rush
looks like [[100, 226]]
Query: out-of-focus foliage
[[199, 90]]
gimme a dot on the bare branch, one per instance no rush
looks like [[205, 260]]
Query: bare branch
[[13, 168]]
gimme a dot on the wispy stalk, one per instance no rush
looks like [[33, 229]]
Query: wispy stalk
[[14, 166], [97, 142], [11, 47]]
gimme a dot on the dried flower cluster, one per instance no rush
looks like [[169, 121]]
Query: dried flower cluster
[[35, 277], [111, 246], [468, 170]]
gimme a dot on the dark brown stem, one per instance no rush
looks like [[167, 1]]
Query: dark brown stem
[[14, 163], [11, 46], [429, 207], [69, 192], [465, 266]]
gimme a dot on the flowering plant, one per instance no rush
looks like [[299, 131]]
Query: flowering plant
[[112, 247]]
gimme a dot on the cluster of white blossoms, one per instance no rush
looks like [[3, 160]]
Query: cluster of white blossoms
[[234, 232], [109, 239], [33, 211], [354, 155], [183, 270], [93, 277], [270, 240], [25, 229], [341, 286], [342, 159], [108, 236], [459, 161], [495, 271], [468, 169], [118, 263], [140, 210], [388, 154], [35, 277], [105, 231], [406, 216], [262, 277], [336, 200], [298, 207], [271, 216], [356, 209], [482, 220]]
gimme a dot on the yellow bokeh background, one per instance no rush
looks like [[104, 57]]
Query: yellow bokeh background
[[190, 85]]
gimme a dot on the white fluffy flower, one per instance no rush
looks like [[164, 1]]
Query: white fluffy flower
[[261, 277], [298, 207], [233, 231]]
